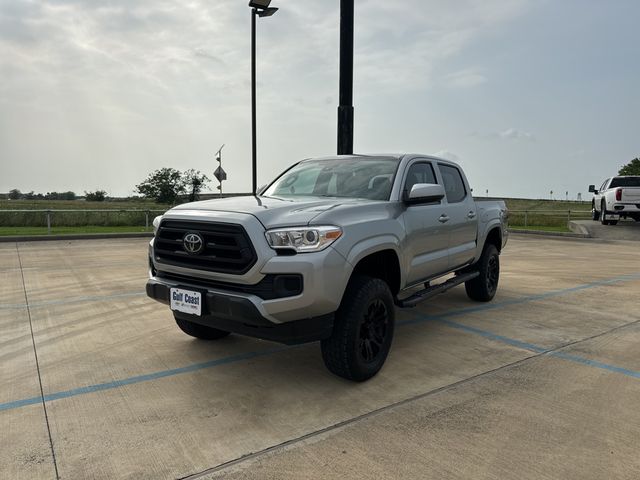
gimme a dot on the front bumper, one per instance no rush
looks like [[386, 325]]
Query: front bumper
[[242, 314]]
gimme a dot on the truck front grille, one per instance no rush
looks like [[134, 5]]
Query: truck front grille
[[227, 247]]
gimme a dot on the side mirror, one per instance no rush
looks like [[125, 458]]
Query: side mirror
[[425, 193], [592, 189]]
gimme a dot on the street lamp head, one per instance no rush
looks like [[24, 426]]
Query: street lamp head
[[267, 12], [260, 4]]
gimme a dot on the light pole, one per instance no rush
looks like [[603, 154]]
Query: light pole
[[345, 109], [259, 8]]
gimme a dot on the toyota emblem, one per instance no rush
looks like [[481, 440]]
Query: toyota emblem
[[193, 243]]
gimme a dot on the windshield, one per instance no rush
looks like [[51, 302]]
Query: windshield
[[369, 178], [625, 182]]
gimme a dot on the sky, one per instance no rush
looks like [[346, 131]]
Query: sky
[[528, 96]]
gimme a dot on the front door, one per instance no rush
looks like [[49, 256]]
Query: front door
[[426, 244]]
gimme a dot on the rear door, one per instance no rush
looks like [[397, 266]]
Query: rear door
[[426, 244], [462, 216]]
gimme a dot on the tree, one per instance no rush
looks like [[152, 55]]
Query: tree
[[97, 196], [194, 182], [632, 168], [15, 194], [164, 185], [60, 195]]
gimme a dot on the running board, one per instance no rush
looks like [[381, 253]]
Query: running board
[[430, 292]]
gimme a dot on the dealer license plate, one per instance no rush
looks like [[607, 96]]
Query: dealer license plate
[[186, 301]]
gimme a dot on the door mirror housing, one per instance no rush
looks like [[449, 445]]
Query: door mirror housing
[[592, 189], [425, 193]]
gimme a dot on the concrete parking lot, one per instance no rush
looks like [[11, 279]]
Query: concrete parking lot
[[96, 381]]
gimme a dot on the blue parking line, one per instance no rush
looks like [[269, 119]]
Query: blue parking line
[[142, 378], [419, 318], [595, 364]]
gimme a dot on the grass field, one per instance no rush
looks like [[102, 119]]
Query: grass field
[[541, 215], [80, 205], [7, 231]]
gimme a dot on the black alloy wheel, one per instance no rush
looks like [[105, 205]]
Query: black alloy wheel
[[484, 287], [493, 274], [373, 331], [362, 330]]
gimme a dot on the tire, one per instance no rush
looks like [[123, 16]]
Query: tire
[[595, 215], [484, 287], [362, 330], [603, 216], [200, 331]]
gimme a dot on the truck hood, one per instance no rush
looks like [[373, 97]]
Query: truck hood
[[274, 212]]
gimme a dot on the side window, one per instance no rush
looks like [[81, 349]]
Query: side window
[[453, 183], [419, 173], [604, 185]]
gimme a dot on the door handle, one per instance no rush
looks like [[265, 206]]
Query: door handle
[[443, 218], [471, 215]]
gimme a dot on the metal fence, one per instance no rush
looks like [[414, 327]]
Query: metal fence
[[138, 218], [78, 218], [546, 218]]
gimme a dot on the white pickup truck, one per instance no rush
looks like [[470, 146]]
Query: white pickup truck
[[617, 197]]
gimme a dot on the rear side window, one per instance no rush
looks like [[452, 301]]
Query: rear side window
[[453, 183], [625, 182]]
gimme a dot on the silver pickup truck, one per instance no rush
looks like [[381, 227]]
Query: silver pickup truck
[[326, 252]]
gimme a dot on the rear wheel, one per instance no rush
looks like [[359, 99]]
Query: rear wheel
[[200, 331], [604, 215], [484, 287], [362, 331]]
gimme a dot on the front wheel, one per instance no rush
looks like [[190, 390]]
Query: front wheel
[[484, 287], [362, 331], [200, 331], [595, 215]]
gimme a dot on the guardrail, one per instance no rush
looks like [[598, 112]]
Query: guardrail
[[528, 218], [77, 217]]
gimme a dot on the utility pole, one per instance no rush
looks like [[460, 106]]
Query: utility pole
[[345, 109]]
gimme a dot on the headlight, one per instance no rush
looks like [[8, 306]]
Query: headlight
[[156, 224], [303, 239]]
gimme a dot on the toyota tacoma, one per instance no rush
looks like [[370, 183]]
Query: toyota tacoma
[[326, 253]]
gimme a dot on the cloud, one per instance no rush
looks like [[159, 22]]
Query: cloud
[[464, 79], [510, 134], [515, 134], [447, 155], [112, 86]]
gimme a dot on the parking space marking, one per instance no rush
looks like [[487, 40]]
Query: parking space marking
[[596, 364], [420, 318], [144, 378]]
